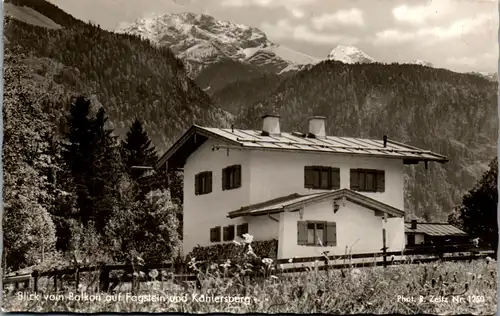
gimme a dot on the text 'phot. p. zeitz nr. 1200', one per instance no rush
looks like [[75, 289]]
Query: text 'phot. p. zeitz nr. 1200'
[[250, 156]]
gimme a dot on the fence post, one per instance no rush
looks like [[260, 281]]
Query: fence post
[[55, 280], [384, 249], [77, 277], [104, 279], [35, 276]]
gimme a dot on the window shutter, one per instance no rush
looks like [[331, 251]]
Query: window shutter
[[308, 177], [242, 229], [381, 181], [226, 233], [335, 178], [209, 182], [224, 178], [230, 232], [197, 184], [301, 233], [217, 233], [237, 176], [354, 180], [331, 234]]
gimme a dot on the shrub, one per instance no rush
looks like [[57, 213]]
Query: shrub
[[233, 251]]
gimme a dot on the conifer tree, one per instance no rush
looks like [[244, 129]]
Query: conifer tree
[[137, 150], [92, 158], [477, 214]]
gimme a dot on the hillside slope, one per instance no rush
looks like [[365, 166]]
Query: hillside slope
[[449, 113], [129, 76]]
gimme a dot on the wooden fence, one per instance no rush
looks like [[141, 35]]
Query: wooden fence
[[181, 272]]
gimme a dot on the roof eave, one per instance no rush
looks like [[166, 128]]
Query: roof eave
[[235, 214], [194, 129]]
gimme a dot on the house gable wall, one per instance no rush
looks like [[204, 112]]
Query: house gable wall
[[202, 212], [357, 228]]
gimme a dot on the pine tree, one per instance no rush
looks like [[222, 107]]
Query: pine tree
[[92, 157], [137, 150], [477, 214]]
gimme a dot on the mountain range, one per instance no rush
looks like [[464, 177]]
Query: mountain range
[[181, 69]]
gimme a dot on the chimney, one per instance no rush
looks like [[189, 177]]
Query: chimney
[[413, 224], [385, 140], [270, 124], [317, 126]]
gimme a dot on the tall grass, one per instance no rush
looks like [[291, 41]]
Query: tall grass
[[354, 290]]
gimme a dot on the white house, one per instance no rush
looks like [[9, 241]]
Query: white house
[[310, 191]]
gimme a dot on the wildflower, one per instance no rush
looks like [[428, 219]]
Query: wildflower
[[236, 242], [250, 251], [135, 274], [142, 274], [164, 273], [274, 277], [226, 264], [281, 267], [488, 259], [475, 241], [290, 260], [213, 266], [355, 273], [267, 261], [153, 273], [248, 238]]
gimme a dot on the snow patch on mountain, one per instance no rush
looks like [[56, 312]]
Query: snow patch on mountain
[[200, 40], [349, 55], [421, 63]]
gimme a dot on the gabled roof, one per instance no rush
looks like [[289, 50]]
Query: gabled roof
[[435, 229], [295, 201], [294, 142]]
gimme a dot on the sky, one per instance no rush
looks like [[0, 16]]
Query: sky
[[461, 35]]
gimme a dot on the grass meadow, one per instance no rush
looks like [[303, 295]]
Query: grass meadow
[[434, 288]]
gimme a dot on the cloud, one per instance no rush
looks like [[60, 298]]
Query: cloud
[[299, 14], [284, 29], [462, 61], [470, 60], [430, 35], [418, 15], [351, 17]]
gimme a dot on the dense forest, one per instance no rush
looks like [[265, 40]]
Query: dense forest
[[443, 111], [127, 75], [71, 190]]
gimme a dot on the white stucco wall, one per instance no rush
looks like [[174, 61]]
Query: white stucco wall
[[275, 174], [395, 234], [357, 228], [202, 212], [262, 227]]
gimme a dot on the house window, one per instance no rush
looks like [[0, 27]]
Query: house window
[[242, 229], [215, 234], [231, 177], [365, 180], [323, 178], [229, 233], [411, 239], [203, 183], [316, 233]]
